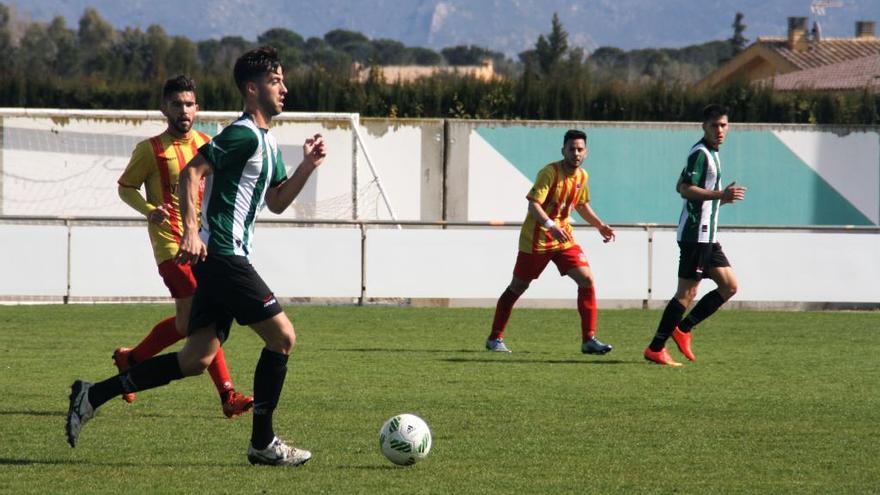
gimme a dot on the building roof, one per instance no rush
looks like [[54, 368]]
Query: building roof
[[856, 74], [407, 73], [827, 51]]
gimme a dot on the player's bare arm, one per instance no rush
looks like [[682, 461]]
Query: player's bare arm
[[537, 211], [729, 194], [192, 249], [281, 196], [586, 211]]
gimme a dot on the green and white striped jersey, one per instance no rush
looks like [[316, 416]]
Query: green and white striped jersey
[[699, 219], [247, 162]]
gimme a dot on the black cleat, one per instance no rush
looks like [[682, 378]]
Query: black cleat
[[593, 346], [79, 411]]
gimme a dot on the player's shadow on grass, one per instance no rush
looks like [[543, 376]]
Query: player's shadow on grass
[[62, 414], [504, 360], [371, 467], [6, 461], [388, 349], [33, 413]]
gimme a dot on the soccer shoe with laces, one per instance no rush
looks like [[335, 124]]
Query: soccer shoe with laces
[[121, 360], [496, 345], [278, 453], [661, 357], [237, 404], [79, 412], [683, 341], [593, 346]]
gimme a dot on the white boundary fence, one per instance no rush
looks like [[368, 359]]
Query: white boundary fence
[[107, 259]]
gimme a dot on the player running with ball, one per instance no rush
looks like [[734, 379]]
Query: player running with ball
[[243, 173]]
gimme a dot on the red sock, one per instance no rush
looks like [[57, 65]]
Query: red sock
[[587, 309], [161, 336], [502, 313], [220, 373]]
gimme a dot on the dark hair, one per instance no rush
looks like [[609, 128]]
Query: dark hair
[[714, 111], [255, 63], [177, 84], [574, 134]]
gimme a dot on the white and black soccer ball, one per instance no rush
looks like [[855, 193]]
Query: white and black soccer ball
[[405, 439]]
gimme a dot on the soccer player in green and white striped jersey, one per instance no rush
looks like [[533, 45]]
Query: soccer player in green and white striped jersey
[[701, 256], [244, 173]]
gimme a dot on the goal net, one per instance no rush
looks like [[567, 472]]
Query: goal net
[[66, 163]]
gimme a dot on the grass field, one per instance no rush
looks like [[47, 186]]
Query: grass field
[[777, 403]]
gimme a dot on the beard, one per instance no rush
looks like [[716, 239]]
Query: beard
[[270, 106], [181, 127], [573, 164]]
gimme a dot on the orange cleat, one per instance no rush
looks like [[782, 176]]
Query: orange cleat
[[661, 357], [683, 341], [120, 359], [237, 404]]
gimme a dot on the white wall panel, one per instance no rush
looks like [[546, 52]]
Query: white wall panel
[[478, 263], [397, 158], [113, 262], [33, 260], [309, 262], [782, 267]]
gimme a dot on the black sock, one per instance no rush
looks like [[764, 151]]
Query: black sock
[[268, 382], [671, 316], [704, 309], [152, 373]]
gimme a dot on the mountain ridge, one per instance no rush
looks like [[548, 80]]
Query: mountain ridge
[[509, 26]]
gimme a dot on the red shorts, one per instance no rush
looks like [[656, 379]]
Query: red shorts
[[178, 278], [530, 265]]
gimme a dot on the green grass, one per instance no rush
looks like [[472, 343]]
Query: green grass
[[777, 403]]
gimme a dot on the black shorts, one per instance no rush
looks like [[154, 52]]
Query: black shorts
[[229, 287], [697, 257]]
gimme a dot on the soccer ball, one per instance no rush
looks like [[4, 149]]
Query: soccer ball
[[405, 439]]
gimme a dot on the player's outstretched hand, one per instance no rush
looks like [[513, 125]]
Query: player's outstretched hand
[[733, 193], [160, 214], [192, 249], [315, 149], [607, 232]]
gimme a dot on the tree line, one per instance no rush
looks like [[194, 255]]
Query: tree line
[[96, 66]]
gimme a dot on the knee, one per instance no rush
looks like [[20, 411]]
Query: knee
[[687, 296], [518, 286], [586, 282], [288, 341], [192, 365], [283, 341], [181, 327], [728, 291]]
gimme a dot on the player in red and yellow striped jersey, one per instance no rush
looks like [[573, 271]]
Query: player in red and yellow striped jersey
[[156, 164], [547, 236]]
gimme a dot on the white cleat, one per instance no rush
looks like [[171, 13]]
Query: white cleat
[[496, 345], [278, 453]]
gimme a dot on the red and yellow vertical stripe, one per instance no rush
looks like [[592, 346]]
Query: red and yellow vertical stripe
[[168, 155], [558, 193]]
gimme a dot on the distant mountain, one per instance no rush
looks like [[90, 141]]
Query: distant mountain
[[509, 26]]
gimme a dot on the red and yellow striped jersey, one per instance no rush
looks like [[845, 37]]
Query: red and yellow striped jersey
[[558, 192], [156, 163]]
